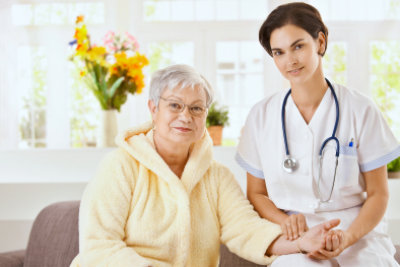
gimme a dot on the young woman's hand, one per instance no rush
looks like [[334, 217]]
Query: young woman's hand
[[335, 243], [294, 226], [314, 240]]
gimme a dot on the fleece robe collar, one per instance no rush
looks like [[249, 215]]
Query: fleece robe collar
[[139, 143]]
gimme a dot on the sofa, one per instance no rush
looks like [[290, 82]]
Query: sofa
[[53, 241]]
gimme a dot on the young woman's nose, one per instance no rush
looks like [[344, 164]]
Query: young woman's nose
[[292, 59]]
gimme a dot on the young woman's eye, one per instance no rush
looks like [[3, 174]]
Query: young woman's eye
[[277, 53], [299, 46]]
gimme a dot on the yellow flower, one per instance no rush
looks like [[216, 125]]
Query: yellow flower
[[81, 34], [97, 54]]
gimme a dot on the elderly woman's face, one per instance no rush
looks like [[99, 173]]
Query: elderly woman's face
[[176, 125]]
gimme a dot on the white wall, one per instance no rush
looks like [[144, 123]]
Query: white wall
[[33, 179]]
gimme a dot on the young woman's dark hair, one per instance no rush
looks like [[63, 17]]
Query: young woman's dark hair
[[300, 14]]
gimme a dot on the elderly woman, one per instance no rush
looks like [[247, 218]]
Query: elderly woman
[[161, 200]]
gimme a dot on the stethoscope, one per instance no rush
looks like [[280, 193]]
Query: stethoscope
[[290, 164]]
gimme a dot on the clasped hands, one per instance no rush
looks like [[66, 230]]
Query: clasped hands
[[320, 242]]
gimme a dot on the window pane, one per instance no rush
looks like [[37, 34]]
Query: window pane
[[356, 10], [257, 10], [163, 54], [385, 80], [335, 62], [240, 82], [203, 10], [93, 12], [227, 9], [41, 14], [182, 10], [57, 13], [250, 57], [32, 87], [85, 111], [157, 10], [22, 15]]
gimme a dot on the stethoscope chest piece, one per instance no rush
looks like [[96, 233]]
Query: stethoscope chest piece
[[289, 164]]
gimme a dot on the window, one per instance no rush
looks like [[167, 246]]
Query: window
[[335, 62], [203, 10], [163, 54], [358, 10], [385, 80], [32, 72], [218, 37], [85, 112], [240, 82], [56, 13]]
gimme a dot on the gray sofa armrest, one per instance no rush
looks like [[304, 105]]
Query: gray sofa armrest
[[12, 258], [53, 241], [229, 259], [397, 255]]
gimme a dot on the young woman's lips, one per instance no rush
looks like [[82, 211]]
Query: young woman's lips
[[295, 71], [183, 129]]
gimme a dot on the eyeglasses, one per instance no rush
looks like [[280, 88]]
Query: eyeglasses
[[176, 106]]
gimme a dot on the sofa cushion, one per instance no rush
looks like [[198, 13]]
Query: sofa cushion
[[54, 240]]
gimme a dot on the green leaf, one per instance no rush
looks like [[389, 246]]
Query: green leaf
[[115, 86], [217, 116]]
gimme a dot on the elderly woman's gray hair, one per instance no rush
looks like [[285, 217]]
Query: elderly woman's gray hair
[[178, 76]]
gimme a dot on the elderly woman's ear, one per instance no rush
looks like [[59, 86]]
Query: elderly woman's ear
[[152, 108]]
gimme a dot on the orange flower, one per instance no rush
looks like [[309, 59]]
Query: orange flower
[[79, 19]]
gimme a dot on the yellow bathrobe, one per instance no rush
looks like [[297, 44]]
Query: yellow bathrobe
[[137, 212]]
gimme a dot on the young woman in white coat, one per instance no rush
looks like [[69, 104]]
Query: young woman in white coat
[[318, 150]]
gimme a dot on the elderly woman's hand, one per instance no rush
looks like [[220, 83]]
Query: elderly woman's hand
[[335, 242], [294, 226], [314, 239]]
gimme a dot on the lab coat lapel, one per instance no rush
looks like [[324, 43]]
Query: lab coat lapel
[[295, 123]]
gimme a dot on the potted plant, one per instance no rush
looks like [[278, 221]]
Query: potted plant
[[217, 118], [393, 168]]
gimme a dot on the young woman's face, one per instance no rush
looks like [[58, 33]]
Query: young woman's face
[[296, 52]]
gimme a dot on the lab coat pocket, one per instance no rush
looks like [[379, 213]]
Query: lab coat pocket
[[348, 170]]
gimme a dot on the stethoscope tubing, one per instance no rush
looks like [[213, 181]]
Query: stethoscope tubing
[[333, 137]]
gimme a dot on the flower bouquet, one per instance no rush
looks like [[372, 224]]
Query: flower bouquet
[[110, 71]]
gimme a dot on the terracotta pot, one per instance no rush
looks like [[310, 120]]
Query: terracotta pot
[[215, 133], [108, 128], [393, 175]]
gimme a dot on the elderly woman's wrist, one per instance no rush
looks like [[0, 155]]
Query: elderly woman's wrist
[[299, 245]]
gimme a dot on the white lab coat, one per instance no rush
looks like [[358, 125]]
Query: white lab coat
[[261, 152]]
